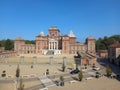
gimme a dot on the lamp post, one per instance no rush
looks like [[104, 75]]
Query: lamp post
[[34, 60], [64, 61], [51, 60], [21, 59]]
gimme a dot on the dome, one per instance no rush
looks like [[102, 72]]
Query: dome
[[42, 34], [91, 37], [53, 27], [71, 34]]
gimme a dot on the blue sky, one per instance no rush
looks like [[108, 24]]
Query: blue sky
[[27, 18]]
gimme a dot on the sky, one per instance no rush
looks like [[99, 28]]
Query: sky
[[27, 18]]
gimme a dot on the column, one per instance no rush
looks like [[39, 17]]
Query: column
[[49, 45], [34, 59], [57, 45], [54, 45], [51, 60], [64, 61], [22, 59]]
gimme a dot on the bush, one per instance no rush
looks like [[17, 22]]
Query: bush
[[47, 72], [63, 67], [62, 80], [93, 65], [85, 66], [108, 71], [80, 76], [97, 74], [3, 74]]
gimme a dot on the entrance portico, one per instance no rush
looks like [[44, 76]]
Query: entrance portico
[[53, 44]]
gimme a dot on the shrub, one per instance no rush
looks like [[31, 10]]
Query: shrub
[[80, 76], [108, 71], [63, 67], [47, 72]]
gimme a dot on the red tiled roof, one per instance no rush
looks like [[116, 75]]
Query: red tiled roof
[[116, 45]]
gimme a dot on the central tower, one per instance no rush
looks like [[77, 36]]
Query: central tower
[[54, 38]]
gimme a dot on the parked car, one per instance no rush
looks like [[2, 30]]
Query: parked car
[[96, 68], [75, 71]]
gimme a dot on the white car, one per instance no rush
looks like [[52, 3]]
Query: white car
[[96, 68]]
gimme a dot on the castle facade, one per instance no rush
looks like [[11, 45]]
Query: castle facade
[[54, 43]]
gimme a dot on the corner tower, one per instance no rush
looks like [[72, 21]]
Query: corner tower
[[90, 41]]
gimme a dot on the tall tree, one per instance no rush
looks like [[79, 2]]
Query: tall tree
[[18, 72], [80, 76], [9, 44], [108, 71]]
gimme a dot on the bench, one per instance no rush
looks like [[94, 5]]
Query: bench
[[33, 75], [72, 81], [43, 89], [10, 76], [25, 76], [89, 78]]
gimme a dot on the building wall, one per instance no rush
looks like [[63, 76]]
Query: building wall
[[17, 45], [28, 49], [91, 45], [117, 52], [88, 61], [65, 44], [113, 53], [77, 47]]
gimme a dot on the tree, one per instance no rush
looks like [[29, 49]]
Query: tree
[[104, 43], [47, 72], [85, 66], [4, 74], [8, 44], [62, 80], [80, 76], [63, 67], [21, 86], [2, 43], [30, 41], [97, 74], [93, 65], [108, 71], [18, 72]]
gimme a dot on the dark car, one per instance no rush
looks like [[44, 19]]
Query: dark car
[[75, 71]]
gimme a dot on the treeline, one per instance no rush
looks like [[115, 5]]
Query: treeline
[[9, 44], [30, 41], [104, 43]]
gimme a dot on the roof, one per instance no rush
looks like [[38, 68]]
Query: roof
[[116, 45], [19, 38], [54, 28], [91, 37], [65, 35], [41, 34]]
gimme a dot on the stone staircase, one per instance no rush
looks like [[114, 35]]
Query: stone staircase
[[50, 52]]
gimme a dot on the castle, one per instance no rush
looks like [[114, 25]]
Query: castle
[[54, 43]]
